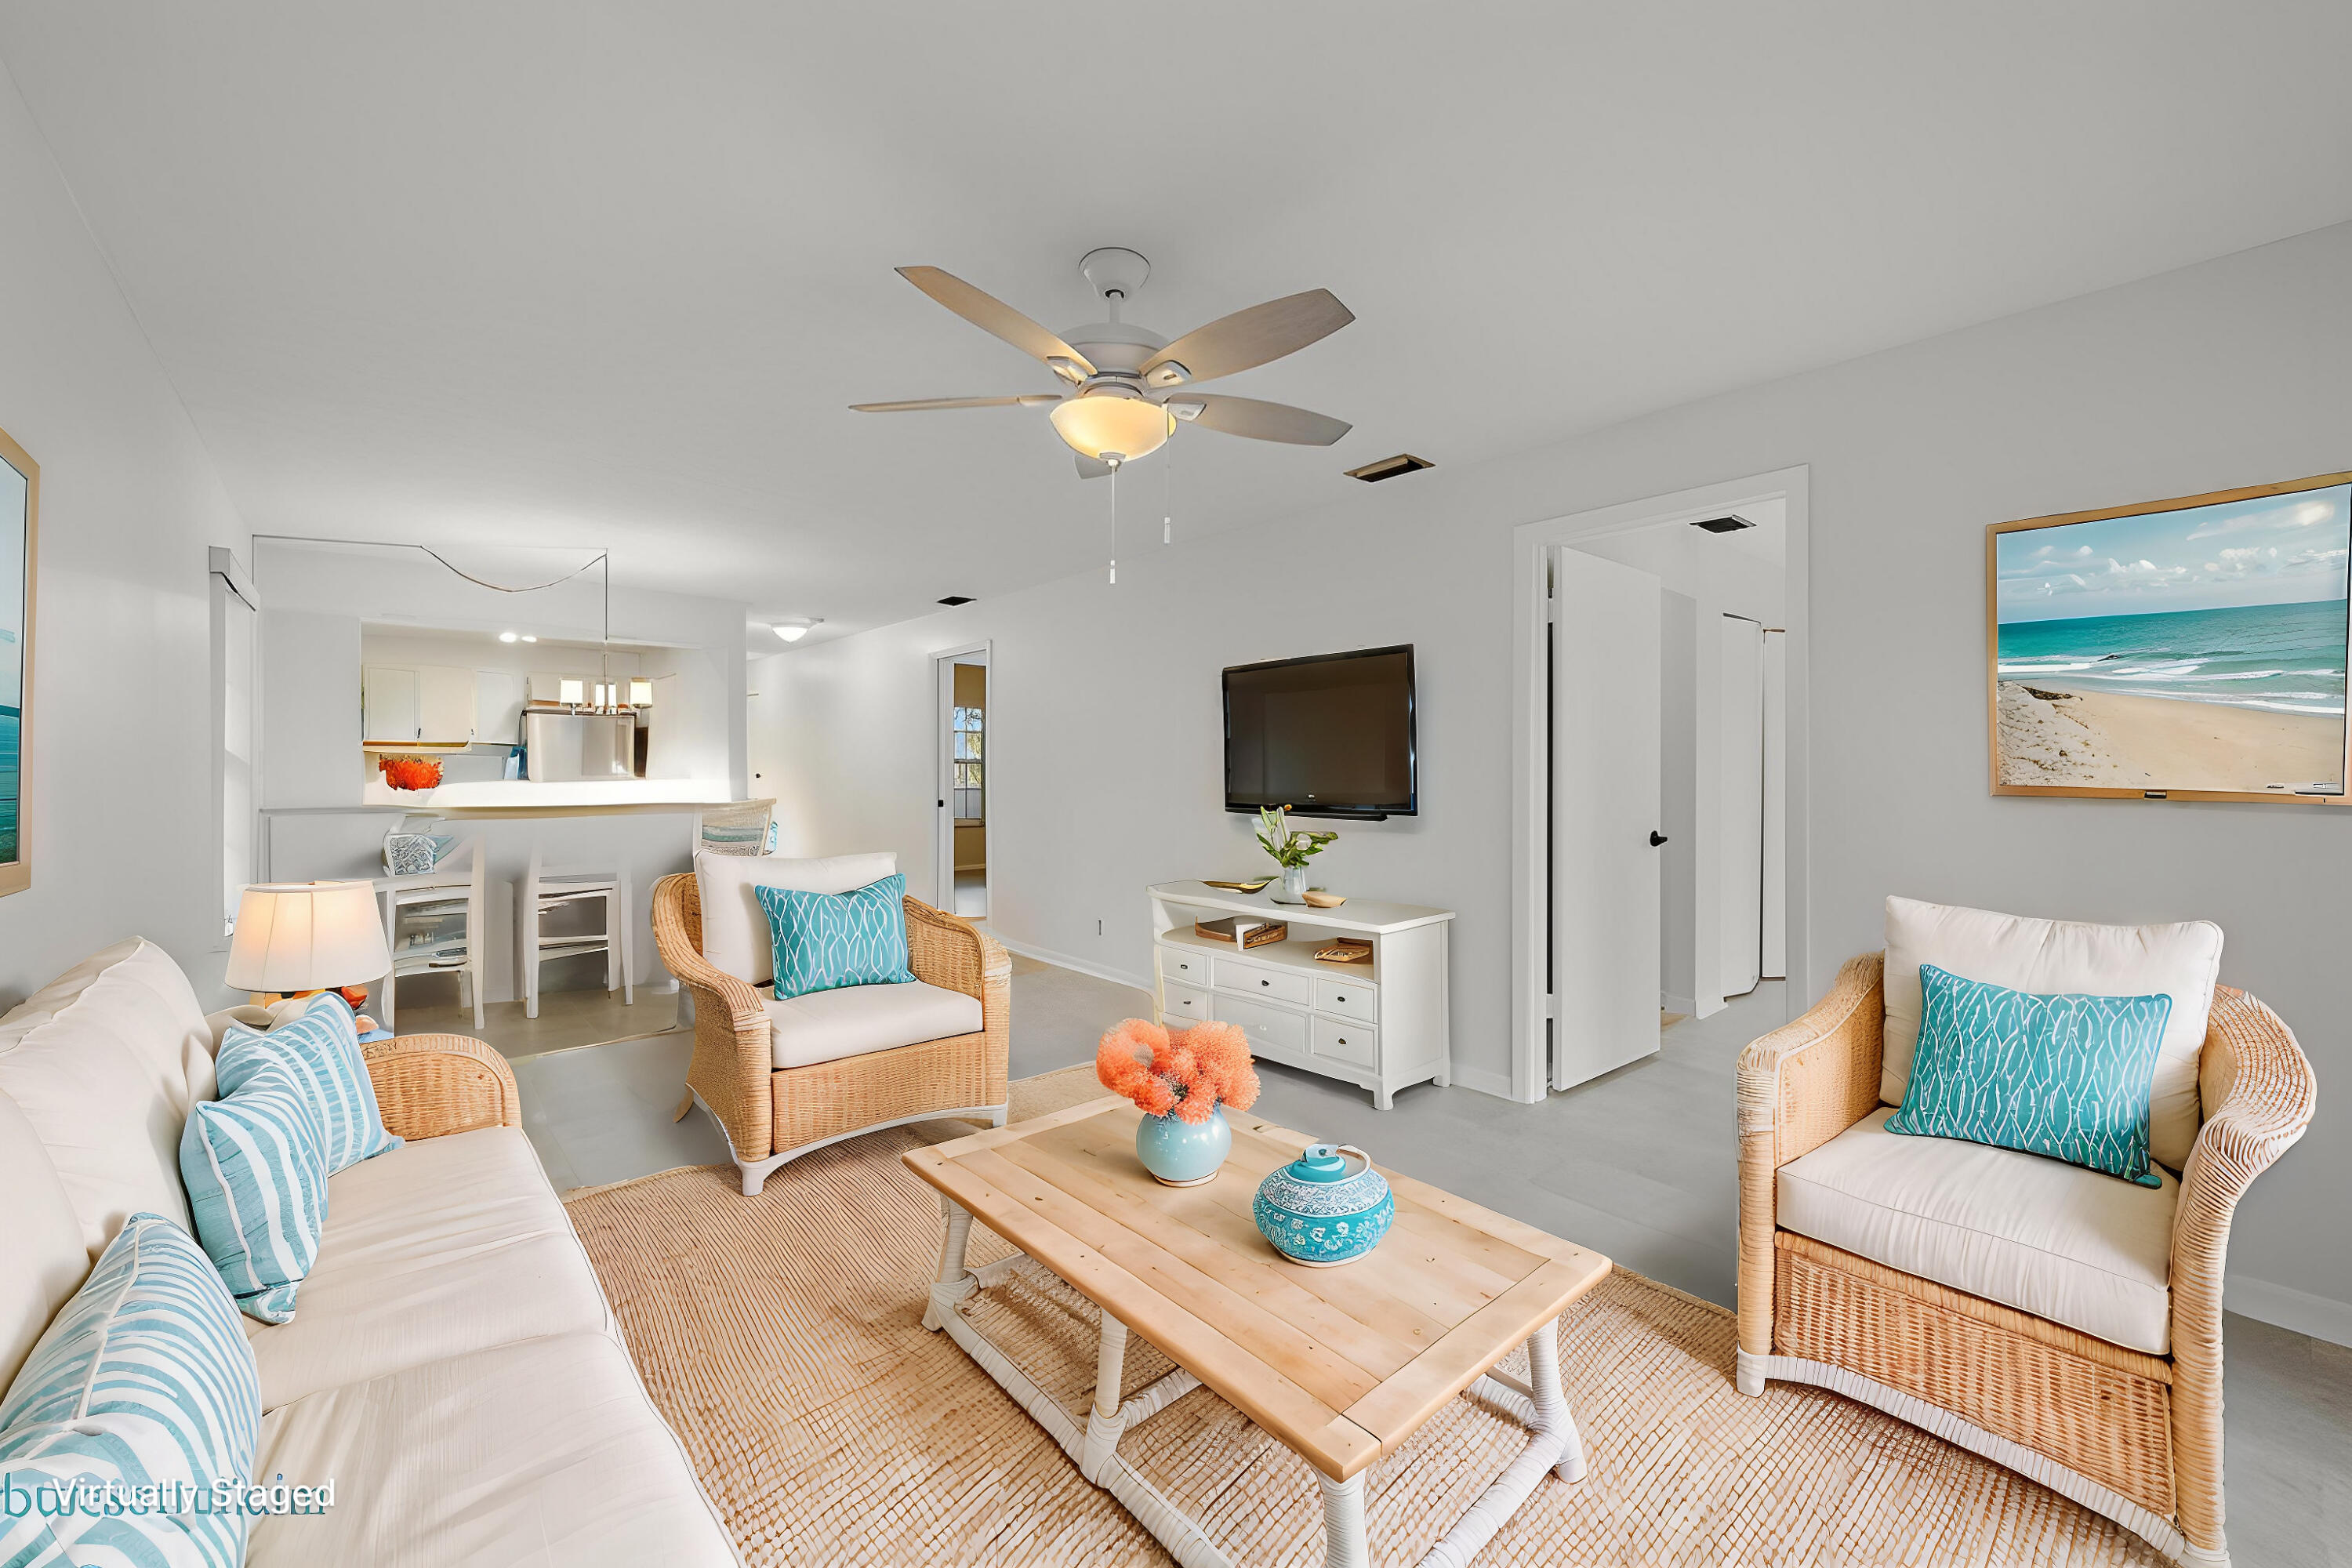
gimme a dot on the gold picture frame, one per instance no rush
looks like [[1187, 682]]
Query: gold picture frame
[[2198, 674]]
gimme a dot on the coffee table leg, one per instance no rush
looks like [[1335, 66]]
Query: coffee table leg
[[1343, 1523], [1551, 1404], [1103, 1422], [955, 1281]]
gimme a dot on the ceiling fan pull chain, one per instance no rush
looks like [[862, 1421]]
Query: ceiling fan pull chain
[[1115, 467], [1168, 501]]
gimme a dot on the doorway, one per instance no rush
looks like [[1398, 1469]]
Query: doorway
[[1658, 788], [961, 853]]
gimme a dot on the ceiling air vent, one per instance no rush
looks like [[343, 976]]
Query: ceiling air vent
[[1730, 525], [957, 599], [1390, 468]]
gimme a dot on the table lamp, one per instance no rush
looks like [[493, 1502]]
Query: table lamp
[[293, 936]]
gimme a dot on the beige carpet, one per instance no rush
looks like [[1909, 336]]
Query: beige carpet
[[781, 1337]]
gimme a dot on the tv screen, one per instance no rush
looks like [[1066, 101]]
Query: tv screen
[[1328, 736]]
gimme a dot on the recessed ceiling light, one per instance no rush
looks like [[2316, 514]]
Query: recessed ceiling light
[[795, 627], [528, 637], [508, 636], [954, 599]]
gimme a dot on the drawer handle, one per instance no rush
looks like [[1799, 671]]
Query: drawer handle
[[1338, 998], [1265, 982]]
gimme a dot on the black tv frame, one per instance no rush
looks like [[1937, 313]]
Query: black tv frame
[[1411, 806]]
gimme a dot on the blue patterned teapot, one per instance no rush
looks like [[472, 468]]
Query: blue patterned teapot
[[1316, 1211]]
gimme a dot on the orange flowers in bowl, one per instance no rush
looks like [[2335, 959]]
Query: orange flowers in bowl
[[1188, 1074]]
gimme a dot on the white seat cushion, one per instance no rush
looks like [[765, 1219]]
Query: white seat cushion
[[2078, 1248], [826, 1026], [735, 934], [2060, 958], [545, 1454], [443, 1246]]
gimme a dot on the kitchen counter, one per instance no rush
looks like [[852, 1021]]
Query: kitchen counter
[[582, 797]]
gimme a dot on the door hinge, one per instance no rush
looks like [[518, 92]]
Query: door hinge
[[1551, 609], [1552, 1006]]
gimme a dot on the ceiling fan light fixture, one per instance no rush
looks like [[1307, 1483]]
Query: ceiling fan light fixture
[[1112, 420]]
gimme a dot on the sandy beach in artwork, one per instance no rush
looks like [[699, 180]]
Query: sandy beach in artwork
[[2051, 734]]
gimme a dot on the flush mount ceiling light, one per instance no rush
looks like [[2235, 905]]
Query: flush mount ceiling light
[[509, 636], [795, 627], [1126, 384]]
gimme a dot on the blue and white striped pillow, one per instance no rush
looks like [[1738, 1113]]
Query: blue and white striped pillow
[[320, 1050], [255, 1165], [143, 1381]]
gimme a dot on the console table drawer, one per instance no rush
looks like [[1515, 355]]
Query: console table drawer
[[1187, 1005], [1355, 1043], [1349, 999], [1263, 981], [1270, 1030], [1180, 964]]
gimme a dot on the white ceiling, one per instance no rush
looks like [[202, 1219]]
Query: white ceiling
[[601, 274]]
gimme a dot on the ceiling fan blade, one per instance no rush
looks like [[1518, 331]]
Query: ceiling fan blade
[[1259, 421], [1248, 338], [994, 316], [919, 405], [1091, 468]]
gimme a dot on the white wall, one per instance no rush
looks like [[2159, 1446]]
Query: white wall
[[118, 817], [1105, 720]]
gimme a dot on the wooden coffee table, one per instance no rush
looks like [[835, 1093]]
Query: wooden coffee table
[[1340, 1365]]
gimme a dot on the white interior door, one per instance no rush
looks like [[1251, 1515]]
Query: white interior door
[[1605, 688], [1776, 805], [1742, 862]]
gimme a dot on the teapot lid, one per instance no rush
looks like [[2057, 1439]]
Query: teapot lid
[[1321, 1162]]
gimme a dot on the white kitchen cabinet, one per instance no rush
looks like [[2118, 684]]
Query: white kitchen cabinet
[[425, 705]]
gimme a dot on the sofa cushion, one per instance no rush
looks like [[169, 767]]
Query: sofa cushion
[[826, 1026], [142, 1381], [735, 929], [2062, 957], [42, 1258], [104, 1061], [320, 1046], [2049, 1238], [256, 1168], [545, 1454], [445, 1245]]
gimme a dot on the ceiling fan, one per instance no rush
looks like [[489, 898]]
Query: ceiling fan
[[1128, 386]]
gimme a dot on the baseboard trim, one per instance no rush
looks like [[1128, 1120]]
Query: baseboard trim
[[1064, 961], [1483, 1079], [2284, 1307], [1687, 1006]]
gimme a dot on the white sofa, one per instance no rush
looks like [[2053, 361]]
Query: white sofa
[[452, 1367]]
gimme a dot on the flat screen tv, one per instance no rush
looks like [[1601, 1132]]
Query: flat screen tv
[[1326, 736]]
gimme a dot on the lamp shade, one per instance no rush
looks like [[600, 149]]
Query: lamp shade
[[306, 936], [1106, 422]]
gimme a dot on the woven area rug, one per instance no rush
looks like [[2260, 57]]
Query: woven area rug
[[782, 1338]]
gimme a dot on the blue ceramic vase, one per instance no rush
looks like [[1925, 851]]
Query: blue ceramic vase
[[1316, 1211], [1183, 1153]]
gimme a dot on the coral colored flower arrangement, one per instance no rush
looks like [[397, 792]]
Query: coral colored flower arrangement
[[1188, 1074]]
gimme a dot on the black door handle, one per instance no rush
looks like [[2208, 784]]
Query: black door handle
[[1656, 838]]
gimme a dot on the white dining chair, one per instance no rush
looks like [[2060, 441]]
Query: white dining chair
[[433, 924], [550, 887]]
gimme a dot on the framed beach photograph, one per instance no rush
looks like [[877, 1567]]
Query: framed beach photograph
[[2189, 649], [20, 517]]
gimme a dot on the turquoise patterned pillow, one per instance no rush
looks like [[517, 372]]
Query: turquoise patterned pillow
[[2068, 1076], [255, 1169], [826, 941], [320, 1050], [143, 1390]]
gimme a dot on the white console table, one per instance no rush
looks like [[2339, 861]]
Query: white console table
[[1381, 1024]]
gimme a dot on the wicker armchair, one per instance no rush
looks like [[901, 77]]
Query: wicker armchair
[[771, 1115], [2135, 1437]]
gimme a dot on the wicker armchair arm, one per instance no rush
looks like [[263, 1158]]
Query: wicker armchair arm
[[1799, 1087], [428, 1086], [2260, 1095], [956, 955], [734, 1044]]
